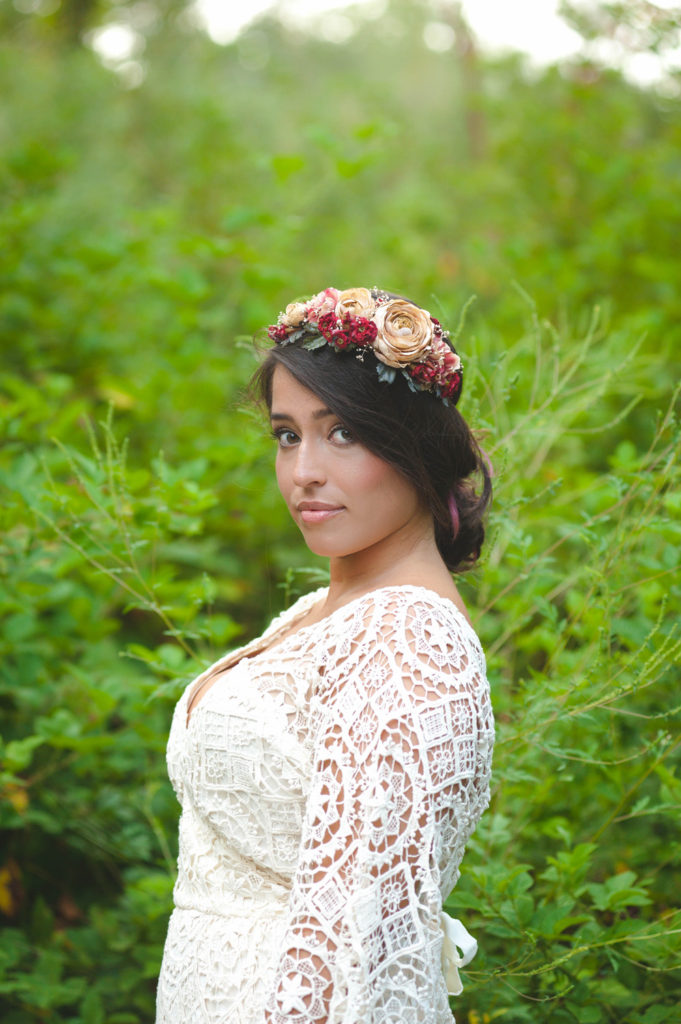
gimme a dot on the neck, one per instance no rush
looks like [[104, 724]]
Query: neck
[[409, 556]]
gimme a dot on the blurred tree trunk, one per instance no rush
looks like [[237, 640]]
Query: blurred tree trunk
[[69, 22], [73, 17], [471, 80]]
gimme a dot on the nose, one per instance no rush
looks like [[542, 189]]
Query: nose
[[308, 468]]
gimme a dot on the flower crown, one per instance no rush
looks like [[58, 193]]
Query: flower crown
[[403, 337]]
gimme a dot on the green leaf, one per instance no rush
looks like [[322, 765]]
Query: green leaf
[[18, 754]]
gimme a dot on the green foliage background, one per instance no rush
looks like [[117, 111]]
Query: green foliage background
[[147, 232]]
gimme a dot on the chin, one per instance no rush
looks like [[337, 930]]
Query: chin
[[325, 550], [332, 548]]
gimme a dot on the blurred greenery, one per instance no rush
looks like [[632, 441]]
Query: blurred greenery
[[152, 219]]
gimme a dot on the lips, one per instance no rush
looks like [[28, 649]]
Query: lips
[[316, 506], [317, 511]]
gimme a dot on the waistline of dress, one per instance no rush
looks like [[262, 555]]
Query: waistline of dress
[[233, 904]]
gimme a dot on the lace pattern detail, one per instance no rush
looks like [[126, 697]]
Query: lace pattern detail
[[329, 784]]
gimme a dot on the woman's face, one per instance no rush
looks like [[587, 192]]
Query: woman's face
[[344, 499]]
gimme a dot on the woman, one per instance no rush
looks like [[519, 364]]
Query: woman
[[331, 771]]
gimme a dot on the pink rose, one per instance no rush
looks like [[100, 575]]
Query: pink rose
[[444, 355], [321, 303]]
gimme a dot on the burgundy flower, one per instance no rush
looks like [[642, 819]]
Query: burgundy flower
[[278, 332], [327, 325], [341, 339], [362, 331], [424, 373], [453, 386]]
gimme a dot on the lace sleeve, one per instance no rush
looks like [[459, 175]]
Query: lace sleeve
[[401, 776]]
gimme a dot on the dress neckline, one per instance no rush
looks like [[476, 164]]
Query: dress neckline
[[194, 689], [399, 587]]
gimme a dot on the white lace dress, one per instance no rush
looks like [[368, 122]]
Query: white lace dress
[[329, 780]]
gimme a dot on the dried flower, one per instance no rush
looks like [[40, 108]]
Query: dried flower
[[405, 332], [402, 336], [356, 302], [294, 314]]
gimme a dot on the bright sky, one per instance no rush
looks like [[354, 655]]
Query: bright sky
[[532, 26]]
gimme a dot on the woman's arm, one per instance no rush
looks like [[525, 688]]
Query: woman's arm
[[399, 783]]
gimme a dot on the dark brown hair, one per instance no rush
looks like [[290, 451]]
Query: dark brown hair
[[428, 442]]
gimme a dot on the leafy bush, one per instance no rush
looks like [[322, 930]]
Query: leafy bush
[[147, 233]]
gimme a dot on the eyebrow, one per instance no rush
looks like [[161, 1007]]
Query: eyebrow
[[318, 414]]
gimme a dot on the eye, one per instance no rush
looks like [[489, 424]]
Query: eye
[[286, 438], [342, 435]]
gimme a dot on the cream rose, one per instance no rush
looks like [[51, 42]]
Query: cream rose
[[356, 302], [294, 314], [405, 333]]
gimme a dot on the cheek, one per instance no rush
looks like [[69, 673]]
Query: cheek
[[365, 473], [280, 471], [383, 485]]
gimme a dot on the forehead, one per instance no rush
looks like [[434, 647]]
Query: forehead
[[290, 396]]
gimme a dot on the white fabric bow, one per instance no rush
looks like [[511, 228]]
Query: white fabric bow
[[455, 935]]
